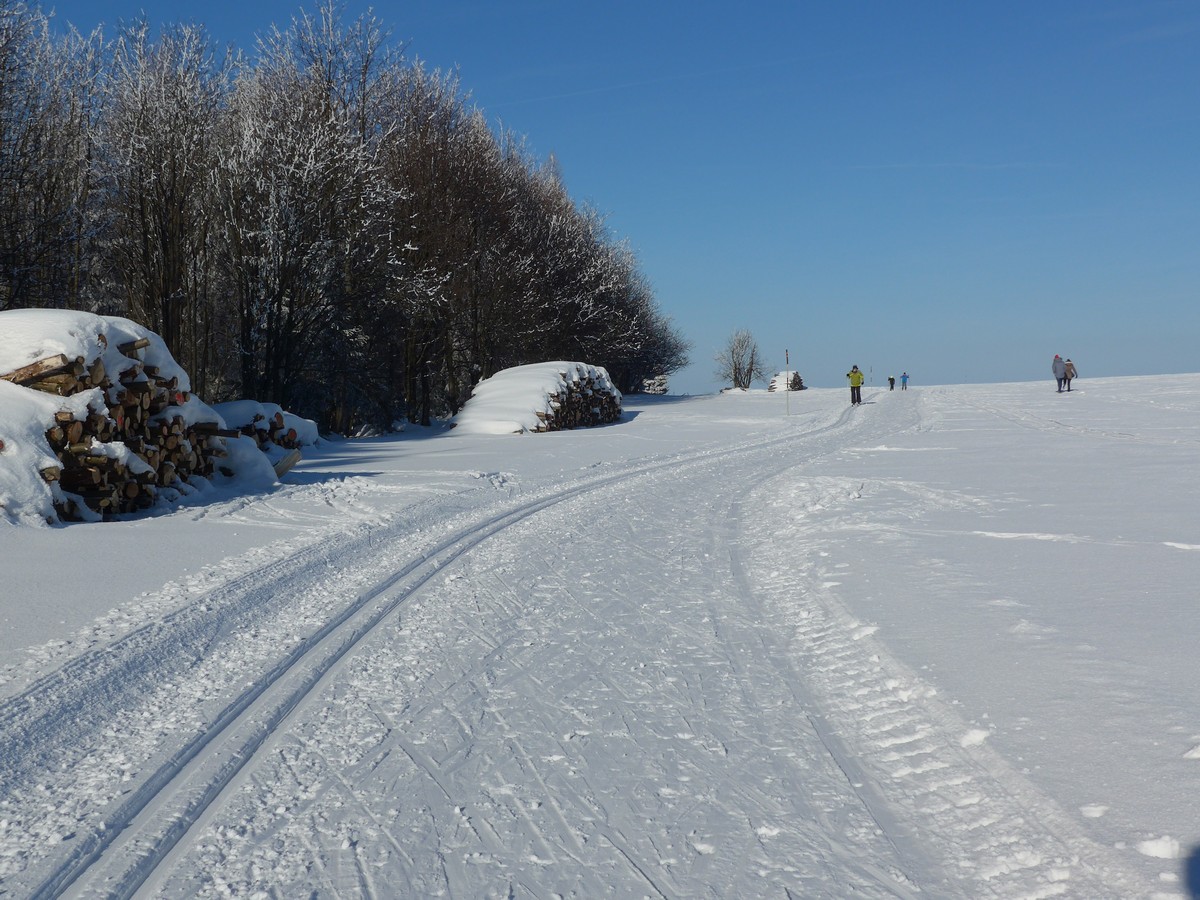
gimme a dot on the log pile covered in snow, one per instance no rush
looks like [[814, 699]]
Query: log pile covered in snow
[[121, 428], [541, 397], [277, 433], [656, 385]]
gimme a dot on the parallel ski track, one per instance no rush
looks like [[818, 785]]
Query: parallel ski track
[[43, 716]]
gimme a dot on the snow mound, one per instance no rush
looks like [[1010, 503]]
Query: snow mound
[[541, 397]]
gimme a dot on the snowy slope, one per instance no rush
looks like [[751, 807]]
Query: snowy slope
[[941, 644]]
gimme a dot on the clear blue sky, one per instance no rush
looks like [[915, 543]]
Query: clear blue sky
[[959, 190]]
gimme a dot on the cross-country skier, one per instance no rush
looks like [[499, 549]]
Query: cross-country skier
[[856, 380]]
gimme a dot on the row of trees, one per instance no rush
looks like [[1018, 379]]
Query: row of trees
[[331, 226]]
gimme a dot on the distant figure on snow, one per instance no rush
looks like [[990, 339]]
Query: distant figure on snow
[[904, 381], [891, 382], [1068, 373], [856, 380], [1059, 368]]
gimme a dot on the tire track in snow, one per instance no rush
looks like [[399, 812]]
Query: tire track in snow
[[998, 835], [921, 866], [58, 717]]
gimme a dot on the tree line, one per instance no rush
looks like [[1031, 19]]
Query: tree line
[[330, 225]]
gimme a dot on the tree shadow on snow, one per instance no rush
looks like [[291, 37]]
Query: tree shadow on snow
[[316, 476], [664, 399], [1191, 874]]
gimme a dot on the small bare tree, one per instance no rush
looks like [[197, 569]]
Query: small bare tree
[[739, 361]]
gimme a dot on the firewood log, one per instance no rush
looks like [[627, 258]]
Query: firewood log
[[51, 365], [64, 384], [130, 348]]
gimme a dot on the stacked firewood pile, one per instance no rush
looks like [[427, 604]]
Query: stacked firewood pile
[[277, 434], [583, 400], [119, 459], [655, 385], [267, 430]]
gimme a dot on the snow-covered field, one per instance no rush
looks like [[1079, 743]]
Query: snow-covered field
[[940, 645]]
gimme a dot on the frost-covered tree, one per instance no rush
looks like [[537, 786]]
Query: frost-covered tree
[[48, 104], [297, 198], [326, 225], [346, 75], [738, 362], [157, 152]]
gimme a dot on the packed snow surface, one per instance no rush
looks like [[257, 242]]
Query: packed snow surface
[[942, 644]]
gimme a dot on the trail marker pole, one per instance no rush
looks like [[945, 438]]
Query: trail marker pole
[[787, 384]]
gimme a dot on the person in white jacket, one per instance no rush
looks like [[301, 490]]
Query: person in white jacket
[[1059, 368]]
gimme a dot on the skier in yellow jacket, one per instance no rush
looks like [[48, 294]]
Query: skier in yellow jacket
[[856, 380]]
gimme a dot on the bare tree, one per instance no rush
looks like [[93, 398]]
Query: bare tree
[[739, 363], [347, 73]]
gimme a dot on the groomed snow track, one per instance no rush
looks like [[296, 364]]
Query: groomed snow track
[[858, 780], [51, 719]]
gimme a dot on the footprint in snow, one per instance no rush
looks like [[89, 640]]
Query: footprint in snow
[[1165, 847], [974, 737]]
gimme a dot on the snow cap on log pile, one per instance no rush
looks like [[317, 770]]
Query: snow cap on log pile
[[28, 335], [535, 397], [276, 431]]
